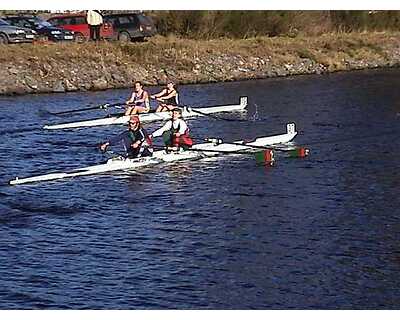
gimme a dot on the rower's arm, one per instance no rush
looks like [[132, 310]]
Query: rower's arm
[[117, 138], [113, 140], [131, 99], [160, 94], [171, 95], [142, 136], [146, 99], [182, 127], [160, 131]]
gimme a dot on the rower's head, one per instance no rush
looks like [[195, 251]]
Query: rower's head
[[138, 86], [170, 85], [176, 113], [134, 123]]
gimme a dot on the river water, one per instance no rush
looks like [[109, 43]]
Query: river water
[[316, 233]]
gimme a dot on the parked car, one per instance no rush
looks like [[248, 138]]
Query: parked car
[[12, 34], [43, 28], [131, 26], [78, 24]]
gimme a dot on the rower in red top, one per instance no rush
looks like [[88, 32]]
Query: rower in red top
[[167, 98], [139, 101], [175, 132], [135, 140]]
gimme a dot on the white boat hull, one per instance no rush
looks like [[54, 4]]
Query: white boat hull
[[204, 150], [148, 117]]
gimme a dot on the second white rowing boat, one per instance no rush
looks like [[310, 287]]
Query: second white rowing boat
[[188, 112], [198, 151]]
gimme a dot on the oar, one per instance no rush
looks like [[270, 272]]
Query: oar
[[195, 110], [102, 106], [245, 144], [158, 147], [21, 130]]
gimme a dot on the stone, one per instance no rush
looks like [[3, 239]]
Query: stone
[[69, 86], [31, 82], [118, 77], [58, 87], [13, 70], [99, 84]]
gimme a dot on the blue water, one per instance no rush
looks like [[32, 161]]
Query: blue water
[[315, 233]]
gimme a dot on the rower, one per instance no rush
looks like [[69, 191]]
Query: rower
[[167, 98], [175, 132], [139, 101], [136, 141]]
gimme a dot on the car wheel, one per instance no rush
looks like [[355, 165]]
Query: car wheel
[[124, 37], [3, 39], [80, 38]]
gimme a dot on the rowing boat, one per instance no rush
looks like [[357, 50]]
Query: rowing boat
[[198, 151], [187, 112]]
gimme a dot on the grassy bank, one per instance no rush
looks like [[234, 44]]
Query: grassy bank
[[91, 66]]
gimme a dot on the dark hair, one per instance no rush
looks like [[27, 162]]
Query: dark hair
[[139, 83], [173, 84]]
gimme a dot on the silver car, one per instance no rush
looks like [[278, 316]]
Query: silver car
[[12, 34]]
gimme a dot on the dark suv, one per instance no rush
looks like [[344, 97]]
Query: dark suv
[[131, 26], [12, 34], [44, 29]]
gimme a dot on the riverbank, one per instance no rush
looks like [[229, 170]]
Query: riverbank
[[44, 68]]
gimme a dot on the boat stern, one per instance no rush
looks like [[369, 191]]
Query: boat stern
[[243, 102], [291, 128]]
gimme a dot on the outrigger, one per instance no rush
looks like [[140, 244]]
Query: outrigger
[[198, 151], [187, 112]]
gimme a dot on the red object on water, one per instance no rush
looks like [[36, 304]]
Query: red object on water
[[268, 155], [265, 157], [303, 152], [300, 152]]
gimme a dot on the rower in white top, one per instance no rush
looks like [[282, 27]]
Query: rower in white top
[[175, 132]]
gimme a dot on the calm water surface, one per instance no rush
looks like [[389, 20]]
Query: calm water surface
[[321, 232]]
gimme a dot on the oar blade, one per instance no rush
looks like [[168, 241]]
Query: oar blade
[[300, 152], [265, 157]]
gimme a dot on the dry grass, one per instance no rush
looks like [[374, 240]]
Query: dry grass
[[183, 52]]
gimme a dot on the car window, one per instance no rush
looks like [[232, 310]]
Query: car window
[[135, 20], [80, 20], [56, 22], [22, 23], [68, 21], [38, 22], [3, 23], [124, 20], [144, 19], [109, 20]]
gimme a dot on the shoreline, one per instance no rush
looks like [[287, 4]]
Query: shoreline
[[59, 67]]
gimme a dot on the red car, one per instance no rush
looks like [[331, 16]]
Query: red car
[[78, 24]]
